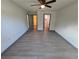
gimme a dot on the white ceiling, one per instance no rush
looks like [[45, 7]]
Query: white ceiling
[[27, 4]]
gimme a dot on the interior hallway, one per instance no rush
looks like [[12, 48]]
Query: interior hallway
[[40, 45]]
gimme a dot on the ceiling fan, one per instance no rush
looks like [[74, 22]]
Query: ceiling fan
[[44, 4]]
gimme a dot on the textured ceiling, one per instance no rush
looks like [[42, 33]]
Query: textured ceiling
[[27, 4]]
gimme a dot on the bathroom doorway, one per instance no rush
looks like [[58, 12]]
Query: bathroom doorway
[[46, 22]]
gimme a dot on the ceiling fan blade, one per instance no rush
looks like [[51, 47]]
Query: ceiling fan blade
[[35, 5], [42, 1], [48, 6], [50, 1]]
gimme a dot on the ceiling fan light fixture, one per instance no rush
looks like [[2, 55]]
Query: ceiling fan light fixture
[[42, 6]]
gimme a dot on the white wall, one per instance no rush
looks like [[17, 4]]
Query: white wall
[[13, 23], [40, 20], [67, 23], [41, 13], [30, 22]]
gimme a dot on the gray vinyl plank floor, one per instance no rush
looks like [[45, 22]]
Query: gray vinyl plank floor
[[40, 45]]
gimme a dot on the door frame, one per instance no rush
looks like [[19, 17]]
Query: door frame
[[49, 21]]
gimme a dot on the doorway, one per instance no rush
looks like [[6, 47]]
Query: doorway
[[35, 22], [46, 25]]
